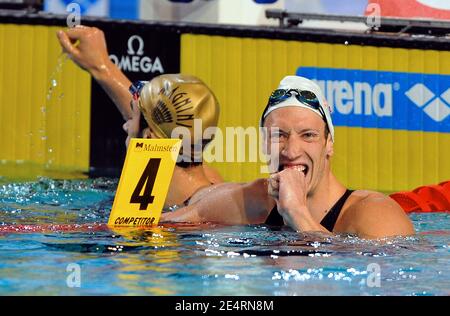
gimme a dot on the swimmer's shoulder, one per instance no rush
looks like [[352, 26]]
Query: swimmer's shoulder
[[371, 214]]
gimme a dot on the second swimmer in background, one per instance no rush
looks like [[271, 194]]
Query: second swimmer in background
[[158, 101]]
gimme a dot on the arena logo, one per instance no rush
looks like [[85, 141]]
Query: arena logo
[[358, 97], [135, 61], [434, 106], [382, 99]]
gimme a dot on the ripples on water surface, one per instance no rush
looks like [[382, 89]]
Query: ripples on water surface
[[46, 225]]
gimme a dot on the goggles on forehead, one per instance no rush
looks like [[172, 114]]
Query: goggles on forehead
[[305, 97]]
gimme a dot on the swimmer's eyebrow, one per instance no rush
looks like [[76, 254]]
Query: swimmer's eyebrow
[[308, 130], [303, 130], [277, 129]]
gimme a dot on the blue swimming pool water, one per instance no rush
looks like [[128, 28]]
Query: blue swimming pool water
[[198, 260]]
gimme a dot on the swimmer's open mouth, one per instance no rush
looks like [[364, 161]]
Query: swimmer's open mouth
[[303, 168]]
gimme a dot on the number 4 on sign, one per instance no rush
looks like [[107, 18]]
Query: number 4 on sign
[[147, 178], [144, 182]]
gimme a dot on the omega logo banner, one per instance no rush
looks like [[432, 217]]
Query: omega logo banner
[[135, 59], [142, 52]]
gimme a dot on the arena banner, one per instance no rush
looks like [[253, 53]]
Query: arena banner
[[385, 99]]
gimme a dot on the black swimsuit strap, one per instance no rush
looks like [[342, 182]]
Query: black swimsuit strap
[[186, 202], [275, 219], [331, 218]]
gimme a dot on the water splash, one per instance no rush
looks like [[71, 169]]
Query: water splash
[[62, 58], [50, 97]]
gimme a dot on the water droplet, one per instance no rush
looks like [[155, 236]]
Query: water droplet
[[44, 137], [50, 150], [43, 109], [346, 42], [54, 83]]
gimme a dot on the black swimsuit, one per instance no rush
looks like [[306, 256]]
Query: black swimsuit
[[275, 219], [186, 202]]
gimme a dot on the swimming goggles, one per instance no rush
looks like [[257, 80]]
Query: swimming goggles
[[304, 96], [136, 88]]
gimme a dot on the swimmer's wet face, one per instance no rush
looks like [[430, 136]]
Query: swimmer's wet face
[[302, 142]]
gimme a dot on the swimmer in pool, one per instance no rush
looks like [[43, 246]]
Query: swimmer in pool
[[303, 193], [149, 110]]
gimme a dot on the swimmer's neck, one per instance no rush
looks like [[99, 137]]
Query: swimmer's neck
[[330, 188]]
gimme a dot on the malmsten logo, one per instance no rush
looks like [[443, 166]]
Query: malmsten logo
[[382, 99]]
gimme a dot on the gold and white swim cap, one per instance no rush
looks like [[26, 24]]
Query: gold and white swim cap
[[175, 100]]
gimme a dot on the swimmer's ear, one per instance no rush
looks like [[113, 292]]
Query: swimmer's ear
[[330, 146]]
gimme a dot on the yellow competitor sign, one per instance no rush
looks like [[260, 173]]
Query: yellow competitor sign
[[144, 182]]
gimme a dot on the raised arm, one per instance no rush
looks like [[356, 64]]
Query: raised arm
[[86, 46]]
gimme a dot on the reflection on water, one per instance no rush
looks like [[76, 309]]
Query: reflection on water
[[47, 224]]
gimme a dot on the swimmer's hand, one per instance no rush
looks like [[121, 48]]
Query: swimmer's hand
[[288, 188], [86, 46]]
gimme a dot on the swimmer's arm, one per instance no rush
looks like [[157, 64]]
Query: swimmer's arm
[[116, 85], [377, 216], [86, 46], [231, 203]]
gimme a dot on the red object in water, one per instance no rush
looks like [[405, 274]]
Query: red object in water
[[445, 185], [436, 196], [411, 202], [414, 8], [429, 198]]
